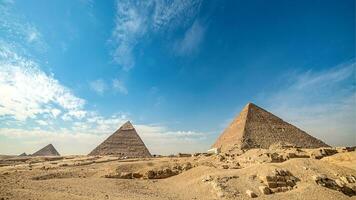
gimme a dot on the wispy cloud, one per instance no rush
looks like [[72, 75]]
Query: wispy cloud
[[135, 19], [169, 14], [99, 86], [323, 103], [119, 86], [15, 28], [191, 41]]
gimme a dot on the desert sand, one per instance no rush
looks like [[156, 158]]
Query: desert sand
[[276, 173]]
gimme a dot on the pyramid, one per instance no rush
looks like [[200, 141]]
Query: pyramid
[[48, 150], [258, 128], [23, 154], [124, 142]]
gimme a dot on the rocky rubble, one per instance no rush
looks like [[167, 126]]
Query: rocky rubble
[[322, 152], [279, 180], [219, 185], [343, 184], [161, 173]]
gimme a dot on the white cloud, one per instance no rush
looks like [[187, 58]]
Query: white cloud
[[161, 140], [119, 86], [99, 86], [55, 112], [26, 91], [65, 141], [136, 19], [191, 40], [33, 35], [322, 103], [42, 122]]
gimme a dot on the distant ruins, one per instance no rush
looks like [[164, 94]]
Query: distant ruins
[[258, 128], [125, 142], [48, 150]]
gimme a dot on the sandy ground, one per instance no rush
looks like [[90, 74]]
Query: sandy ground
[[223, 176]]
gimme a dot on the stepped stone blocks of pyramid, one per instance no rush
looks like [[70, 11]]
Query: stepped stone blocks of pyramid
[[258, 128], [124, 142], [48, 150]]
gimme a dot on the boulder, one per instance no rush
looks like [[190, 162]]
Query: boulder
[[264, 189], [251, 194]]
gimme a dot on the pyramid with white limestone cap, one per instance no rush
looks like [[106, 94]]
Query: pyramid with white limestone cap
[[125, 142], [258, 128]]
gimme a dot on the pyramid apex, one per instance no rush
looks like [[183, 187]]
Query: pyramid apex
[[250, 104], [127, 126], [128, 122]]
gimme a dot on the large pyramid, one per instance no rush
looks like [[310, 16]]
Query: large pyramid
[[48, 150], [258, 128], [124, 142]]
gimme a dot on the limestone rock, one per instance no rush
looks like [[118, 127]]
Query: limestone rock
[[338, 184], [264, 189], [207, 178], [251, 194]]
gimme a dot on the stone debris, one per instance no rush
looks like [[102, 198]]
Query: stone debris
[[168, 171], [275, 157], [184, 155], [153, 173], [219, 185], [251, 194], [322, 152], [207, 178], [264, 189], [187, 166], [160, 174], [279, 180], [340, 184], [345, 149], [225, 166]]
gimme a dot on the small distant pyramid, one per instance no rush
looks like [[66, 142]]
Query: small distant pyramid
[[23, 154], [48, 150], [258, 128], [124, 142]]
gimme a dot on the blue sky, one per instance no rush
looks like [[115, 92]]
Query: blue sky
[[71, 72]]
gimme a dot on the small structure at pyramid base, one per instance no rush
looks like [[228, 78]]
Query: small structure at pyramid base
[[258, 128], [48, 150], [125, 142], [214, 151]]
